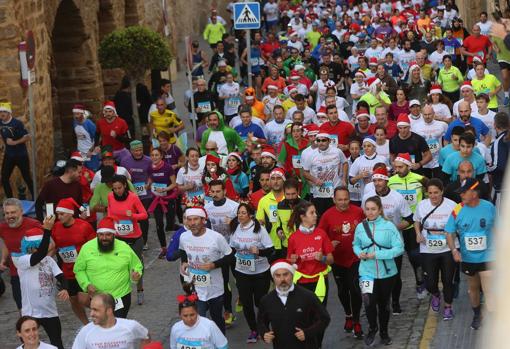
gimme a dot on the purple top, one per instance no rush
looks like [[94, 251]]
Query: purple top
[[162, 175], [138, 169], [172, 155], [396, 110]]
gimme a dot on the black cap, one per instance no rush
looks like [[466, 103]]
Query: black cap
[[107, 173], [468, 184]]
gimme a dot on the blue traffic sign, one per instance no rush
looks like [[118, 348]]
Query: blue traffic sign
[[246, 15]]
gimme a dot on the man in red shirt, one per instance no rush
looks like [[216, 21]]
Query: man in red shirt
[[265, 187], [269, 46], [12, 231], [69, 235], [381, 116], [339, 222], [112, 129], [476, 45], [340, 131]]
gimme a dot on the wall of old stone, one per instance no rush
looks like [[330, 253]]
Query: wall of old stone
[[67, 71]]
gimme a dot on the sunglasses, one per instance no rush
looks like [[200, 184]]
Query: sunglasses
[[210, 149], [322, 140]]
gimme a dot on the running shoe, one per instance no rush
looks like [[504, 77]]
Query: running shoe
[[370, 337], [435, 303], [447, 314], [140, 297], [229, 319], [348, 326], [252, 338], [477, 321], [162, 254], [421, 292], [358, 332], [386, 340], [396, 309], [145, 247], [239, 306], [506, 102]]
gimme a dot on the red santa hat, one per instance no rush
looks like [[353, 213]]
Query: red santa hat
[[106, 226], [361, 73], [213, 158], [435, 89], [279, 172], [79, 108], [322, 111], [291, 89], [110, 105], [269, 152], [403, 120], [76, 155], [373, 61], [236, 155], [67, 205], [196, 211], [380, 173], [293, 33], [362, 113], [311, 130], [413, 66], [282, 264], [294, 74], [272, 87], [373, 80], [466, 84], [404, 158]]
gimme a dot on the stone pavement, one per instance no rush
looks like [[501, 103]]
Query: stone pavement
[[159, 312]]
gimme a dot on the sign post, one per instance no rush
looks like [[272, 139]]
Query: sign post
[[247, 17], [190, 68]]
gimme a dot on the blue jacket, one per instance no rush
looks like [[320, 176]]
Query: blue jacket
[[386, 234]]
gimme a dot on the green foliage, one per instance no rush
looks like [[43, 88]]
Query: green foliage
[[135, 50]]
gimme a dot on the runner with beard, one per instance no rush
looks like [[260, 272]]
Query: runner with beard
[[109, 266]]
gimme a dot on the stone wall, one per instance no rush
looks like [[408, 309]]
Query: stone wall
[[67, 34]]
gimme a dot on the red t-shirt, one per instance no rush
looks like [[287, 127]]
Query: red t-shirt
[[391, 129], [340, 226], [128, 225], [12, 237], [105, 128], [343, 130], [305, 246], [68, 242], [478, 45], [256, 196]]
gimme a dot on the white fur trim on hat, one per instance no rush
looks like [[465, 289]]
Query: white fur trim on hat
[[379, 176], [79, 111], [195, 212], [403, 160], [436, 90], [269, 154], [370, 140], [105, 231], [323, 135], [64, 210], [282, 265]]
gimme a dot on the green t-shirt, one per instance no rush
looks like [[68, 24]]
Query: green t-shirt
[[446, 80], [489, 83], [504, 52], [101, 192], [410, 187], [373, 102], [313, 38]]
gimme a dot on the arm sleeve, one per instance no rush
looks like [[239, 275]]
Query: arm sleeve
[[218, 339], [225, 260], [39, 202], [141, 212], [262, 318], [507, 41], [135, 263], [356, 242], [320, 317], [42, 251], [79, 270]]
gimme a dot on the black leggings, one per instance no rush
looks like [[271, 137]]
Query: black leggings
[[23, 163], [144, 225], [123, 312], [311, 286], [251, 289], [227, 296], [53, 329], [347, 281], [170, 220], [377, 304], [397, 285], [432, 264], [413, 253]]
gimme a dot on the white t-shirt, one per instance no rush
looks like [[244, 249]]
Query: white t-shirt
[[204, 335], [320, 87], [364, 163], [371, 52], [433, 134], [442, 110], [119, 170], [233, 101], [206, 248], [435, 222], [485, 28], [474, 108], [395, 207], [307, 155], [395, 51], [415, 120], [84, 140], [271, 11], [326, 166], [219, 138], [241, 240], [275, 131], [125, 334], [42, 345], [38, 286], [269, 104], [383, 150], [405, 58], [436, 59], [308, 112], [220, 216], [488, 120], [192, 176], [355, 190]]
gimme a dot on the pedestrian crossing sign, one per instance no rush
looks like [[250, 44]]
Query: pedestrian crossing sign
[[247, 15]]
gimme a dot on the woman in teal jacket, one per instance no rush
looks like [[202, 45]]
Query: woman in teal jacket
[[377, 242]]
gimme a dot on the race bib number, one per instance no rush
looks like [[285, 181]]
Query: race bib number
[[475, 241], [245, 262], [119, 304], [296, 161], [233, 102], [68, 254], [449, 50], [366, 284], [273, 213], [436, 243], [254, 61], [433, 145], [124, 227], [188, 344], [204, 106], [411, 196], [201, 278], [334, 140], [156, 186], [140, 188], [325, 190]]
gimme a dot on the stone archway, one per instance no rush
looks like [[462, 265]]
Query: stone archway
[[131, 16], [75, 76]]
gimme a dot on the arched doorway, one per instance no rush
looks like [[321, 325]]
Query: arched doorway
[[75, 77]]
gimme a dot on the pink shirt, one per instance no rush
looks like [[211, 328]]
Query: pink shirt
[[127, 226]]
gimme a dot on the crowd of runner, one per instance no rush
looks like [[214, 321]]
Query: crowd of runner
[[373, 130]]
